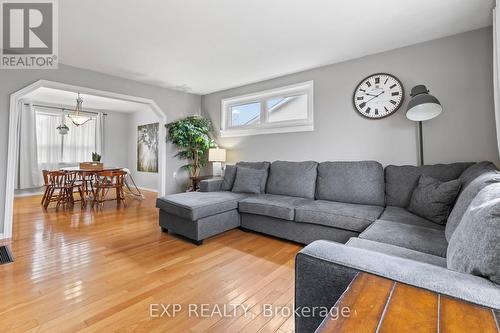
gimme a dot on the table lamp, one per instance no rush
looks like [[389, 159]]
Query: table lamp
[[217, 156], [422, 107]]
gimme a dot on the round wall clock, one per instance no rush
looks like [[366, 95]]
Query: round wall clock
[[378, 96]]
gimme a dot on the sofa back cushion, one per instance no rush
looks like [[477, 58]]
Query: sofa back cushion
[[400, 181], [465, 198], [475, 171], [474, 247], [296, 179], [258, 166], [351, 182]]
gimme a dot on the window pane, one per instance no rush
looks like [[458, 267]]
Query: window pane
[[245, 114], [287, 108]]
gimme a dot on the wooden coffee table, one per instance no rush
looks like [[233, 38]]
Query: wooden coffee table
[[381, 305]]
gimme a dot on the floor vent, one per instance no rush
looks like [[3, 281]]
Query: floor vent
[[5, 255]]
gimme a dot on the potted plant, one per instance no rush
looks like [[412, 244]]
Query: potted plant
[[191, 136], [96, 157]]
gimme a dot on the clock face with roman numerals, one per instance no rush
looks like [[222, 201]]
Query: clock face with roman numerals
[[378, 96]]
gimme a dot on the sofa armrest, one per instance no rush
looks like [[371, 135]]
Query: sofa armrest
[[211, 185], [324, 270]]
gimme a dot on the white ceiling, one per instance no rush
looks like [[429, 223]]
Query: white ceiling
[[56, 97], [206, 46]]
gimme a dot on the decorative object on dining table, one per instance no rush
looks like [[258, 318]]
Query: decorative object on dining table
[[191, 135], [147, 147], [91, 165], [96, 157], [217, 156]]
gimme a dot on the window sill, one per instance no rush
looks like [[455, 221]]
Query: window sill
[[235, 132]]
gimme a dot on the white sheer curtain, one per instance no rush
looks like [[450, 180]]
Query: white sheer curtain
[[49, 149], [28, 175], [80, 142], [496, 69]]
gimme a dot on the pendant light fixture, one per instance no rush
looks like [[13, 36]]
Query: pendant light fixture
[[63, 128], [77, 118]]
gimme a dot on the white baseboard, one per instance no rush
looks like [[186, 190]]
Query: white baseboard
[[30, 194], [148, 189]]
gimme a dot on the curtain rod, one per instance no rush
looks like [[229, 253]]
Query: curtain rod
[[62, 109]]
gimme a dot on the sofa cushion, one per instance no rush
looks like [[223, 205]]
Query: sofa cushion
[[296, 179], [229, 177], [401, 215], [257, 166], [433, 198], [465, 198], [396, 251], [338, 214], [427, 240], [475, 171], [351, 182], [400, 181], [195, 205], [279, 206], [249, 180], [475, 247]]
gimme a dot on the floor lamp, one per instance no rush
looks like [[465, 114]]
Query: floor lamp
[[422, 107]]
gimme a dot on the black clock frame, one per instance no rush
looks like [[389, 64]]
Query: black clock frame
[[387, 115]]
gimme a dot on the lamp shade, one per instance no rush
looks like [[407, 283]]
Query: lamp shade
[[216, 155], [422, 105]]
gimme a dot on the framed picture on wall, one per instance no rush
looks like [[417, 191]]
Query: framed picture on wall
[[147, 148]]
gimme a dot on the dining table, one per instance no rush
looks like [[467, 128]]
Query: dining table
[[80, 170], [88, 186]]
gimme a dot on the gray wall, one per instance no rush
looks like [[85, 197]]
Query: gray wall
[[148, 180], [175, 104], [116, 125], [458, 71]]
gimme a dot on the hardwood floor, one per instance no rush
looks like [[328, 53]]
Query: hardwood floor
[[100, 271]]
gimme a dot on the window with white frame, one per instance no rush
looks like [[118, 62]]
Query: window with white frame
[[54, 149], [281, 110]]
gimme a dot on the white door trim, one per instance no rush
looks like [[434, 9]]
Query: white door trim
[[15, 99]]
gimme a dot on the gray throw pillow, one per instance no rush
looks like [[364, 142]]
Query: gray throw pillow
[[259, 166], [474, 247], [249, 180], [229, 176], [433, 199]]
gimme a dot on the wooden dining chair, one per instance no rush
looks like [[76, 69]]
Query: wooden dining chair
[[106, 181], [56, 189], [74, 184], [45, 174], [62, 186]]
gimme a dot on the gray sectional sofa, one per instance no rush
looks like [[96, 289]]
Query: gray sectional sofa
[[354, 217]]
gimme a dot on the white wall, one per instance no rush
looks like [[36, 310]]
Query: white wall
[[458, 71], [147, 180]]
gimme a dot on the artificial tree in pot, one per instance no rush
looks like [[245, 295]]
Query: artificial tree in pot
[[191, 135]]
